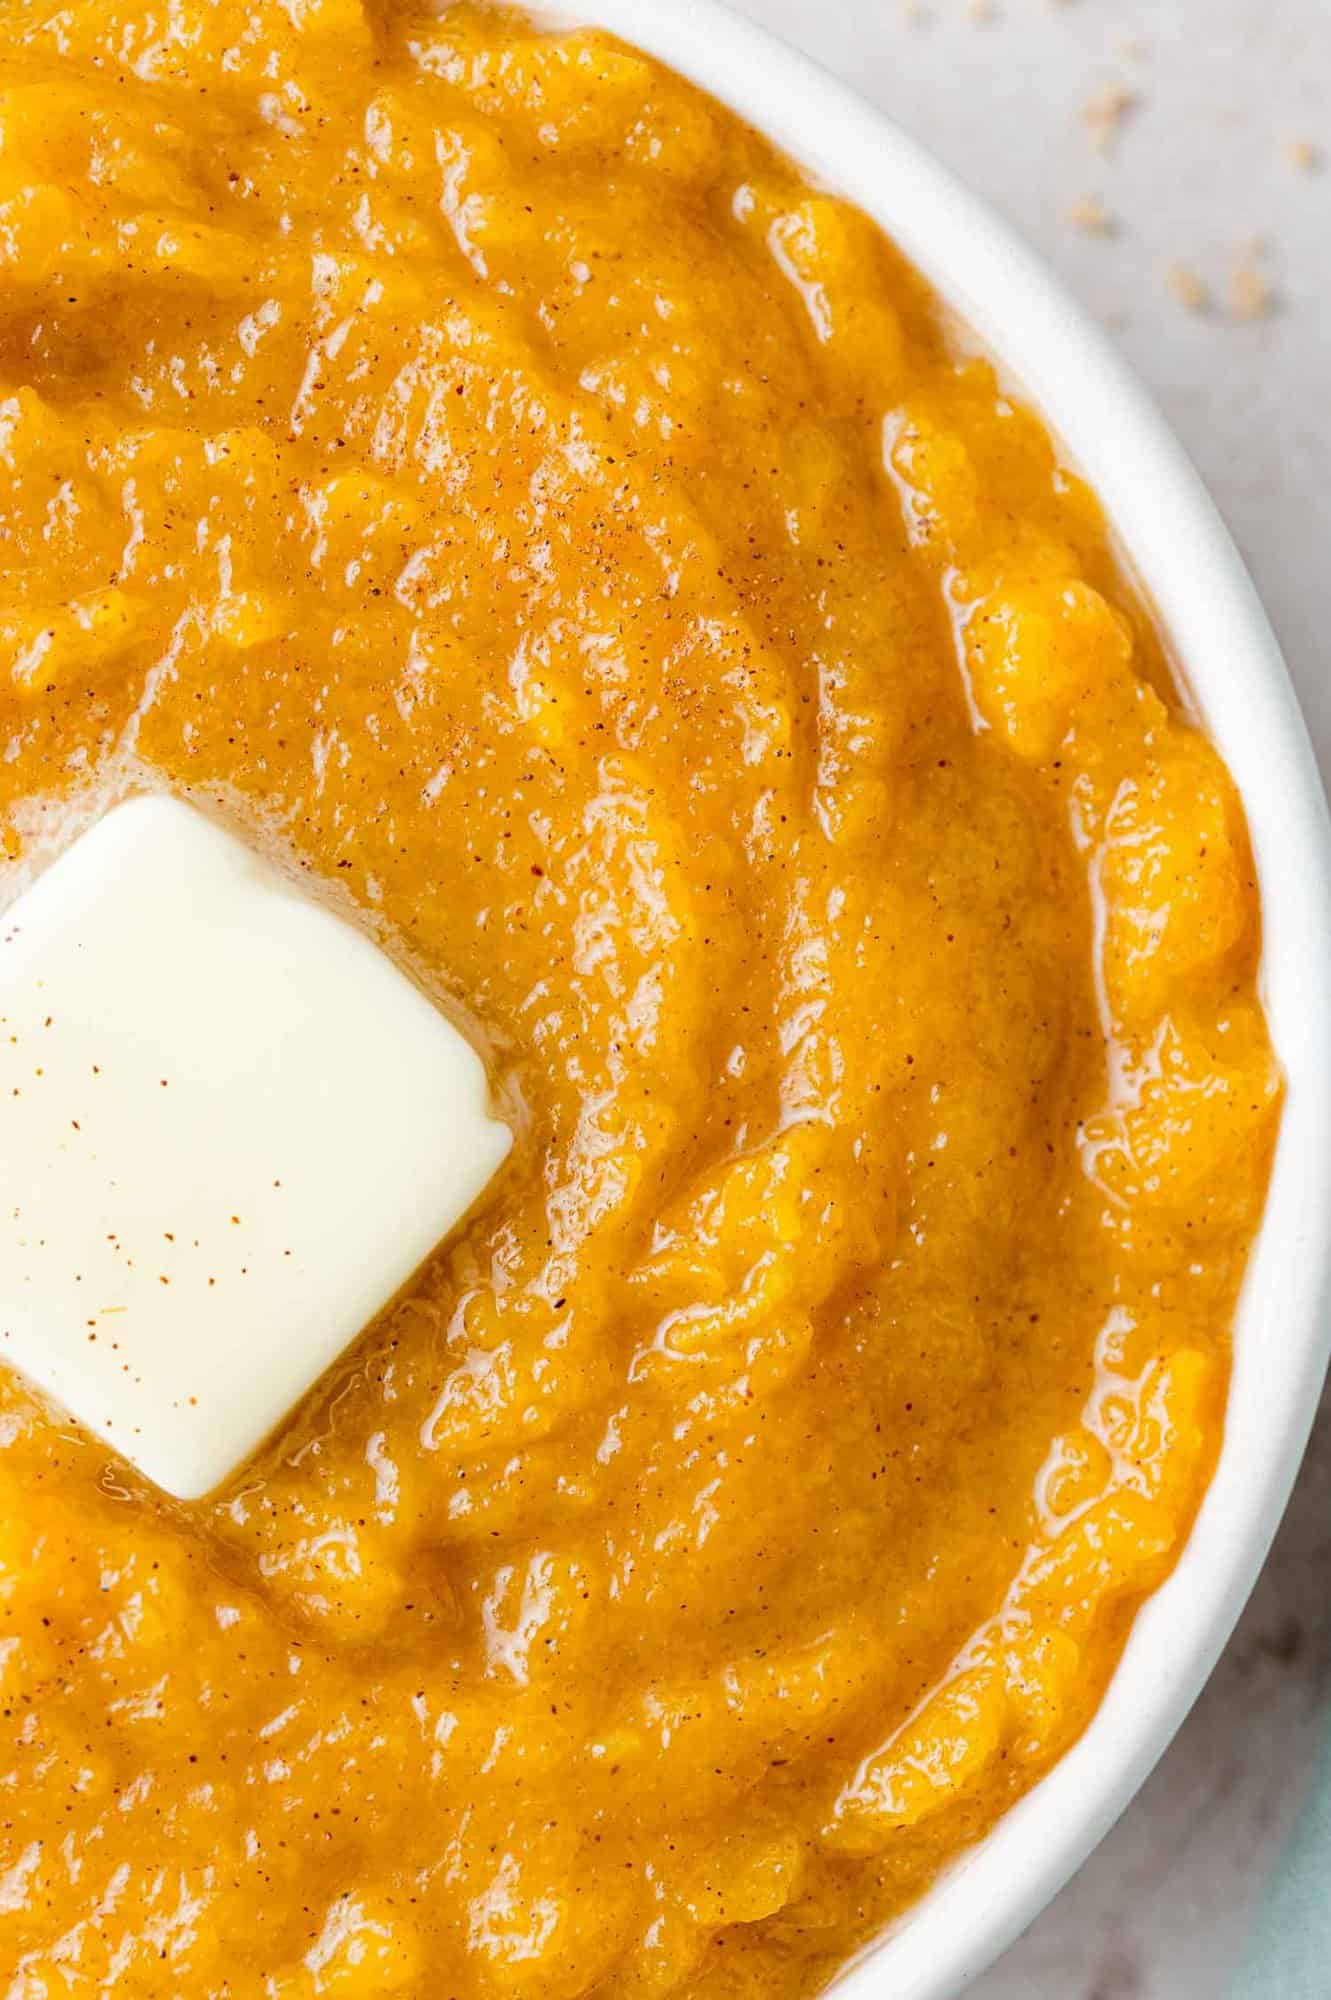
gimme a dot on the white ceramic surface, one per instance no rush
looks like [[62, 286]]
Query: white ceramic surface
[[1182, 553]]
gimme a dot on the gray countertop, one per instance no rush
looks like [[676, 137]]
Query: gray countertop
[[1201, 234]]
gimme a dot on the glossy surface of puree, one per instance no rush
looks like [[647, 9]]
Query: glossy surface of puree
[[482, 470]]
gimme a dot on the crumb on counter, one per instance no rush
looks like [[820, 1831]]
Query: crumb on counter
[[1188, 288], [1303, 155], [1105, 112], [1089, 214], [1252, 295]]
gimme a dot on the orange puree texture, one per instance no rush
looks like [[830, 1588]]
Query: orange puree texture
[[477, 466]]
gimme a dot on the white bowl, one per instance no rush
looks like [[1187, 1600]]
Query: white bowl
[[1176, 543]]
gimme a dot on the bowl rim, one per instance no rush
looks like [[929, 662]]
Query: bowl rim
[[1181, 552]]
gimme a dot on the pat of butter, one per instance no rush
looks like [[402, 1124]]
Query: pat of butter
[[230, 1130]]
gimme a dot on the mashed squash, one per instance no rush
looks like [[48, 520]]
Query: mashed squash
[[476, 466]]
